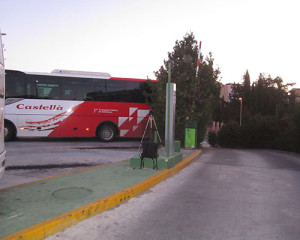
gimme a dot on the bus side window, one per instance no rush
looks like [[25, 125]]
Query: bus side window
[[76, 89], [15, 85], [97, 92], [68, 94], [125, 91], [54, 92], [116, 91], [30, 90], [135, 91], [47, 88]]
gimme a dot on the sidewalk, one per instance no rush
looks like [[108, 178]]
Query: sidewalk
[[39, 209]]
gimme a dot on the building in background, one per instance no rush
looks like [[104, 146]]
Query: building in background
[[225, 92], [216, 123], [295, 95]]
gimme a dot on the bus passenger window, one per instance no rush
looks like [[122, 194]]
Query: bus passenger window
[[68, 94], [47, 91], [30, 91], [116, 91], [15, 90], [14, 84]]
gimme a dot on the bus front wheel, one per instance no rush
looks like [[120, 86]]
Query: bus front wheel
[[9, 131], [106, 133]]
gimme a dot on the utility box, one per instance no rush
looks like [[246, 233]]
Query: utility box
[[190, 134], [177, 146]]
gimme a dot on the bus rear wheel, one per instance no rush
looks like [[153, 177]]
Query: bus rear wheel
[[106, 133], [9, 131]]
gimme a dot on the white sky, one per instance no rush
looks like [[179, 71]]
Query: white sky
[[131, 38]]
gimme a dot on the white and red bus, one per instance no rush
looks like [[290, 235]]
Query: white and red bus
[[74, 104], [2, 102]]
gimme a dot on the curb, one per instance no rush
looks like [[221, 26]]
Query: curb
[[65, 220]]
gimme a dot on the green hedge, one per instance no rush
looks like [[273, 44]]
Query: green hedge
[[229, 135], [212, 139], [263, 132]]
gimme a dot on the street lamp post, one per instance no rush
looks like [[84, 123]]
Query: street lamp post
[[241, 110]]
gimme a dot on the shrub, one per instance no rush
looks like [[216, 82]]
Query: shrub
[[294, 131], [259, 132], [264, 132], [229, 135], [212, 138]]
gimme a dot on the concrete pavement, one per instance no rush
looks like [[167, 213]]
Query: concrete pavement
[[41, 208], [28, 160], [226, 194]]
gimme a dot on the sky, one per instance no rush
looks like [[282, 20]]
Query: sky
[[132, 38]]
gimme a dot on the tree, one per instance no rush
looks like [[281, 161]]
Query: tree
[[269, 120], [246, 85], [271, 95], [195, 97], [266, 96]]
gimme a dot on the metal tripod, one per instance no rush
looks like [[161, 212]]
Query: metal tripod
[[150, 124]]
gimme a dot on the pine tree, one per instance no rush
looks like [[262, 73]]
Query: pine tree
[[195, 97]]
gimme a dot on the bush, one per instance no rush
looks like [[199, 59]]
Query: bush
[[229, 135], [264, 132], [293, 136], [259, 132], [212, 138]]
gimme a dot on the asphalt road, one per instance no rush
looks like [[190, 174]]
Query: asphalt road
[[224, 195]]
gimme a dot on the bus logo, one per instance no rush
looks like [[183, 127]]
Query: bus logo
[[40, 107]]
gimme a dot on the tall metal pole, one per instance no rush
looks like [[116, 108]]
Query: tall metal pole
[[241, 110], [169, 99]]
